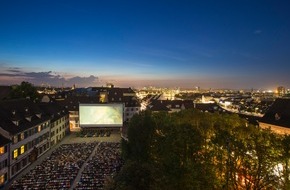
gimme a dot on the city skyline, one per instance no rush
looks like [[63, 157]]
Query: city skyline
[[224, 44]]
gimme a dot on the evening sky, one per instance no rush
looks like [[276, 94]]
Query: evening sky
[[211, 44]]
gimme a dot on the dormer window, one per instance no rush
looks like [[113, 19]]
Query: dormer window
[[38, 115], [13, 112], [28, 118], [16, 122]]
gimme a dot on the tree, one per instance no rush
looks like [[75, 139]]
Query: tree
[[133, 175], [140, 133], [195, 150], [261, 158], [285, 160], [24, 90]]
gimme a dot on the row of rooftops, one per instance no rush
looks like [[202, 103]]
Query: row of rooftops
[[278, 114], [170, 105], [21, 114], [72, 103], [71, 100], [95, 92], [25, 113]]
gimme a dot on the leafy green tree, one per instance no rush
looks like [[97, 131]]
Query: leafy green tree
[[140, 133], [195, 150], [261, 157], [134, 175]]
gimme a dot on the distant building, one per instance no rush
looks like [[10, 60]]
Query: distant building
[[207, 107], [197, 89], [281, 91], [159, 106], [178, 105], [277, 118], [170, 105], [110, 85], [71, 104], [97, 95], [127, 96]]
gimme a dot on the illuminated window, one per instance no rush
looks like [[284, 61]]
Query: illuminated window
[[2, 150], [22, 149], [22, 136], [15, 139], [2, 179], [102, 97], [15, 153], [39, 128]]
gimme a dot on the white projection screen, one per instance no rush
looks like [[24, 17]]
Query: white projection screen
[[101, 115]]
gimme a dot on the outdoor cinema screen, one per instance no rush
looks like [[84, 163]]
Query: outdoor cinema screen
[[101, 115]]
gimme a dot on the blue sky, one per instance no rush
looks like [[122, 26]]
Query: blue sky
[[211, 44]]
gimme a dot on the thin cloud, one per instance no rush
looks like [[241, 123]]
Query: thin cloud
[[11, 75], [50, 78]]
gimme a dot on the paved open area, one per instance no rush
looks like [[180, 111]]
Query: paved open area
[[70, 139]]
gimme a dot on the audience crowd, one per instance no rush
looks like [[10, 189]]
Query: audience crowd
[[101, 167], [59, 170], [95, 133]]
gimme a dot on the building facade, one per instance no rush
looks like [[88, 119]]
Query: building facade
[[28, 128], [27, 131], [99, 95], [4, 160], [277, 118], [59, 121]]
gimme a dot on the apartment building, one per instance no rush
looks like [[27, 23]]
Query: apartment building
[[277, 118], [4, 159], [59, 121], [28, 129]]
